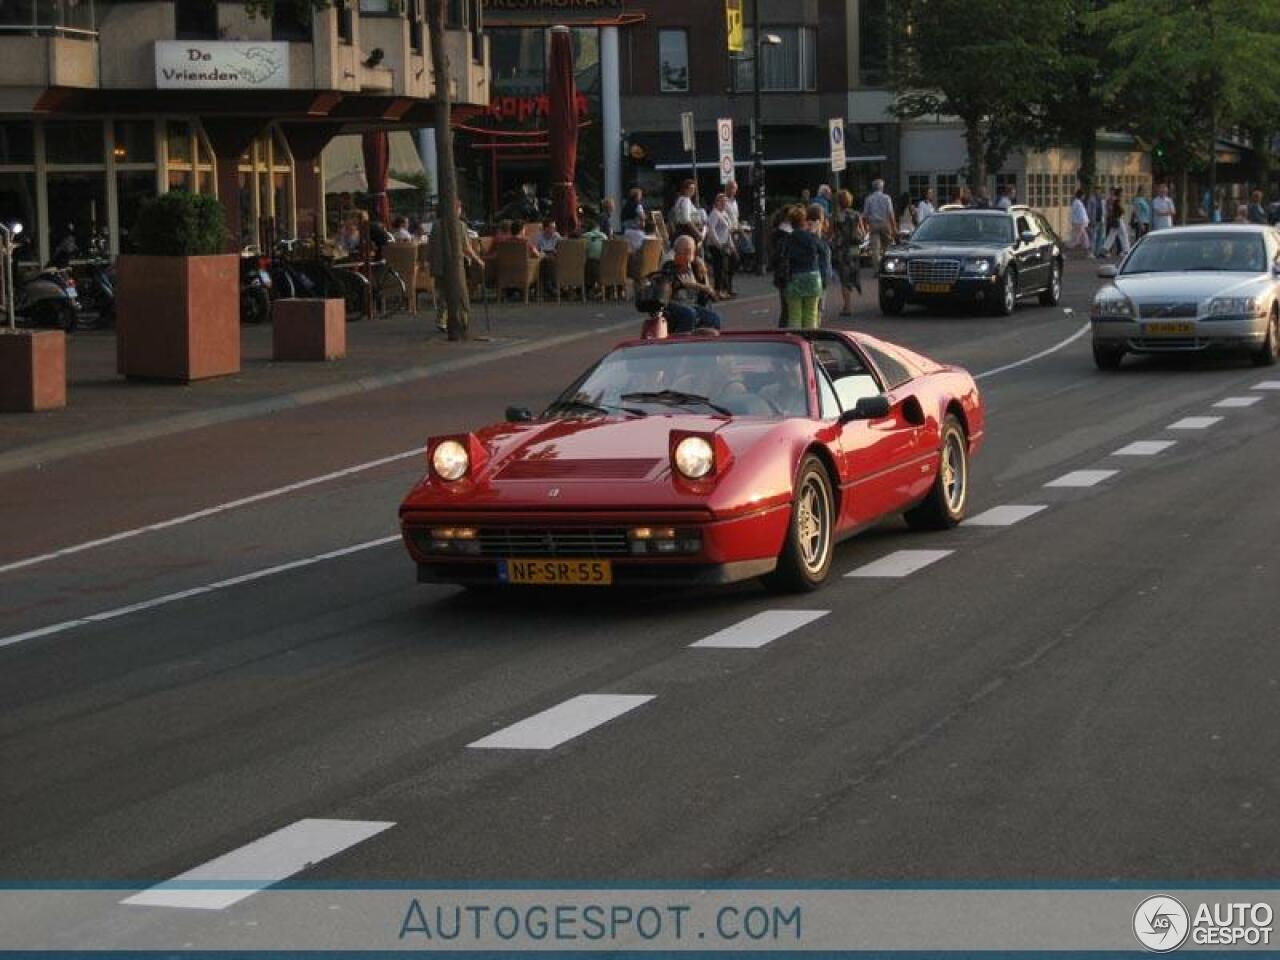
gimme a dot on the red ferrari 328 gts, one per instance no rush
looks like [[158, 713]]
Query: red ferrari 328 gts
[[700, 460]]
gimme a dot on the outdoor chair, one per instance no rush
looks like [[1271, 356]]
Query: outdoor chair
[[424, 282], [402, 260], [570, 269], [516, 269], [613, 267], [646, 260]]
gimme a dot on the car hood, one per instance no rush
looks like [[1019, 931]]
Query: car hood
[[957, 250], [1158, 287]]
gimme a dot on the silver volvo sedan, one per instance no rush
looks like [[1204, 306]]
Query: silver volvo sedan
[[1215, 286]]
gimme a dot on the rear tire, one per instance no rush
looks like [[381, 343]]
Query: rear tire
[[1107, 358], [1269, 352], [1051, 296], [806, 555], [948, 498]]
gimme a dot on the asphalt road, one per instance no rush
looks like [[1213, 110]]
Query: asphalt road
[[1091, 693]]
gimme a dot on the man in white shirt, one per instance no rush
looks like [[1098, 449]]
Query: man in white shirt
[[925, 208], [1002, 198], [1162, 209], [881, 221], [1080, 224], [683, 214]]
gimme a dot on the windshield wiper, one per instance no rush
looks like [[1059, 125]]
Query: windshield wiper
[[574, 403], [678, 398]]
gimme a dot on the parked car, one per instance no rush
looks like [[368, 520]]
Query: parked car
[[1191, 289], [991, 258]]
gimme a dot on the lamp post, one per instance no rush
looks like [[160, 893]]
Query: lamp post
[[758, 42], [8, 232]]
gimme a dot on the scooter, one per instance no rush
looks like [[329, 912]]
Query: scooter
[[49, 299], [255, 287]]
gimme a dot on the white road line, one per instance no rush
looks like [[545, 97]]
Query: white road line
[[1232, 403], [900, 564], [210, 511], [1144, 448], [1082, 478], [241, 873], [1194, 423], [1004, 516], [754, 632], [563, 722], [1035, 356], [194, 591], [1267, 385]]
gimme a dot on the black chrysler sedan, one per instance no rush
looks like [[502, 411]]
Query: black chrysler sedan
[[986, 257]]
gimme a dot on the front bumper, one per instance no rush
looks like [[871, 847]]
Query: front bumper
[[964, 289], [1189, 336]]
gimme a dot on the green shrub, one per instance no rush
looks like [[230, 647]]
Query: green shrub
[[180, 224]]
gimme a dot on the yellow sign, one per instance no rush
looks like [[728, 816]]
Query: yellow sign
[[733, 24]]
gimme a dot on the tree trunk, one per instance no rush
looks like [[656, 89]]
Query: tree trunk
[[448, 228], [976, 147], [1088, 170], [1213, 164], [1260, 174], [1182, 194]]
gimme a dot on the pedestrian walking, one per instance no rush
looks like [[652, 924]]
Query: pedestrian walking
[[1003, 200], [1097, 204], [925, 208], [684, 217], [633, 210], [779, 261], [881, 223], [803, 291], [847, 233], [1141, 214], [721, 253], [1080, 224], [1162, 209], [1117, 229], [906, 215], [1257, 212], [823, 199]]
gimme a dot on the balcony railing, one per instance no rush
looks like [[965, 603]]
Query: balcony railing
[[69, 18]]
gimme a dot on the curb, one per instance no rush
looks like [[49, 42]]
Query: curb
[[39, 454]]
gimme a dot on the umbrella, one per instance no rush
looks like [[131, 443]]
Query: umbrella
[[562, 123], [354, 181], [377, 157]]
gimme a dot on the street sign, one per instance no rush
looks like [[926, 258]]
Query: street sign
[[724, 139], [835, 129], [686, 130]]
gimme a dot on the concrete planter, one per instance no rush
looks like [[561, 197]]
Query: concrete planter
[[178, 318], [305, 329], [33, 370]]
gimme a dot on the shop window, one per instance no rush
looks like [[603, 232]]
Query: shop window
[[1010, 180], [178, 141], [77, 209], [135, 141], [18, 205], [791, 65], [133, 188], [415, 25], [375, 6], [917, 184], [195, 19], [518, 61], [673, 61], [17, 142], [476, 13], [77, 142], [291, 21], [946, 186], [346, 21], [455, 15]]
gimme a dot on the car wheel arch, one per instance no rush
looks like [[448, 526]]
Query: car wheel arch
[[833, 473], [956, 409]]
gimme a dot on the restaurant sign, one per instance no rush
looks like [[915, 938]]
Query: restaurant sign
[[552, 11], [221, 65]]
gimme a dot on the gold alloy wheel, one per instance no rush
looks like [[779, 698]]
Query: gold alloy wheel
[[955, 473]]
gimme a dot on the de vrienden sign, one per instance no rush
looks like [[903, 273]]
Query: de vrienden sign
[[222, 65]]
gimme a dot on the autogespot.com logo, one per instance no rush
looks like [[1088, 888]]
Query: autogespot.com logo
[[1161, 923]]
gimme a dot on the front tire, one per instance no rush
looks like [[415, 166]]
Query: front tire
[[1107, 358], [948, 498], [1007, 301], [1051, 296], [1269, 352], [806, 555], [255, 305]]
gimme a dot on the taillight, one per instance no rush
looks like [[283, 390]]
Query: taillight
[[264, 263]]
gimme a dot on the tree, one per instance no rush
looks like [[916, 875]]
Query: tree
[[985, 62], [448, 228], [1188, 69]]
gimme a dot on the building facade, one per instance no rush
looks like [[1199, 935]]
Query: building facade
[[104, 104]]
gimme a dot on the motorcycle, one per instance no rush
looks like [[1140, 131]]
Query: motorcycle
[[255, 287], [49, 299]]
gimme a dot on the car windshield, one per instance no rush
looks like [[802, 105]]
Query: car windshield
[[721, 377], [965, 228], [1179, 253]]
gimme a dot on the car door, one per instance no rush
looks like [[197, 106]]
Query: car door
[[1032, 258], [875, 454]]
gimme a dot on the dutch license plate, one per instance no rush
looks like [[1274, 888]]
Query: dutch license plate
[[1169, 329], [933, 288], [591, 573]]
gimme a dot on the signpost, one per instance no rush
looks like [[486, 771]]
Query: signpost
[[835, 133], [691, 147], [724, 139]]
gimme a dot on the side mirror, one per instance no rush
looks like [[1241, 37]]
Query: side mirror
[[867, 408], [519, 415], [1108, 272], [1027, 236]]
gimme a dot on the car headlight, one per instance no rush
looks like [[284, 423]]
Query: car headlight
[[450, 460], [979, 265], [1112, 304], [1235, 307], [892, 265], [694, 457]]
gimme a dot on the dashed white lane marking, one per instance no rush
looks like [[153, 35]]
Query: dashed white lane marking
[[754, 632], [194, 591], [209, 511], [1267, 385], [1232, 403], [1082, 478], [903, 563], [1035, 356], [1004, 516], [241, 873], [1144, 448], [563, 722], [1194, 423]]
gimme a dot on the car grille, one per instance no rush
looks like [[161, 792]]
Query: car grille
[[933, 271], [617, 468], [1168, 309], [1157, 344], [560, 542]]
